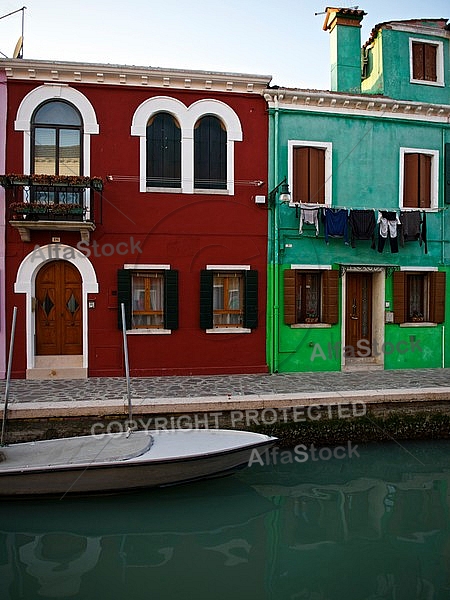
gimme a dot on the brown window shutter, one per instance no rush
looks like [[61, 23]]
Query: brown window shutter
[[289, 297], [418, 60], [411, 181], [399, 296], [437, 297], [430, 55], [424, 181], [301, 174], [330, 297], [317, 175]]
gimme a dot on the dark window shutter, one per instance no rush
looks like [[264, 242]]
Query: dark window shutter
[[210, 154], [437, 297], [251, 299], [206, 299], [124, 296], [171, 299], [399, 282], [418, 60], [163, 151], [447, 174], [411, 181], [301, 174], [330, 295], [430, 56], [424, 181], [309, 174], [289, 297], [317, 175]]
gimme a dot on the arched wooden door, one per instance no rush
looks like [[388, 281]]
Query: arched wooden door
[[59, 325]]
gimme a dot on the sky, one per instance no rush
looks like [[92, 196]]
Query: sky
[[281, 38]]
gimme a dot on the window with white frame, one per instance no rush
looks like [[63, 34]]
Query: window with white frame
[[149, 294], [192, 151], [311, 296], [228, 299], [419, 178], [426, 61], [419, 296], [309, 169], [64, 120]]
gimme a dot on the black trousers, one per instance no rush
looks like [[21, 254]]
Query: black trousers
[[393, 241]]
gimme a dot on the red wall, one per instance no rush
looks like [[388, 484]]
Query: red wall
[[187, 231]]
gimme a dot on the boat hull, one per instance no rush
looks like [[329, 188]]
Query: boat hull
[[153, 468]]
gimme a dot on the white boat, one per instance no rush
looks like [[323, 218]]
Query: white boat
[[125, 461]]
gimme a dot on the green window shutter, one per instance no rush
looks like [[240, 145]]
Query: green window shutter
[[290, 316], [437, 297], [124, 296], [399, 284], [206, 299], [251, 299], [447, 174], [171, 299]]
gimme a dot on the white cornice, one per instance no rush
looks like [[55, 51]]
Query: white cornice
[[419, 29], [150, 77], [358, 105]]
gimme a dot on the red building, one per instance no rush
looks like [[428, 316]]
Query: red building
[[142, 188]]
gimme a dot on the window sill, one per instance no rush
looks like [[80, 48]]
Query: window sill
[[229, 330], [149, 331], [165, 190], [310, 326], [419, 324], [222, 192], [425, 82]]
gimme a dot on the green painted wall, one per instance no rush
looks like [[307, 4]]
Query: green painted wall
[[389, 69], [345, 59]]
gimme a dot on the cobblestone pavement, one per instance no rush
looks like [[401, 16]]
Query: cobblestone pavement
[[113, 388]]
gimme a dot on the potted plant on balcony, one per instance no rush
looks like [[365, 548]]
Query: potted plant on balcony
[[66, 212], [28, 210], [11, 179]]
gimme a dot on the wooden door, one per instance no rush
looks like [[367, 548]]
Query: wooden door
[[358, 325], [59, 328]]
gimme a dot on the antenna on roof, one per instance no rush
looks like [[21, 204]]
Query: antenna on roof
[[18, 50]]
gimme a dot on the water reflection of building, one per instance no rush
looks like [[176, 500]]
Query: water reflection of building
[[124, 546]]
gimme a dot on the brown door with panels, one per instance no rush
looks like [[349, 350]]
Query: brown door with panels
[[358, 325], [59, 328]]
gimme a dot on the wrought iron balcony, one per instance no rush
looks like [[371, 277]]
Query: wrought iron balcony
[[48, 202]]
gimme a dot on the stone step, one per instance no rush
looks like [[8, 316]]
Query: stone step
[[57, 373]]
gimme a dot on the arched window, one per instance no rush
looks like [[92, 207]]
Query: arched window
[[56, 134], [210, 154], [163, 151]]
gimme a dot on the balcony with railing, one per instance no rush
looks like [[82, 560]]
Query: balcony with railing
[[49, 202]]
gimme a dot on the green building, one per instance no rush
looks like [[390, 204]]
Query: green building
[[358, 250]]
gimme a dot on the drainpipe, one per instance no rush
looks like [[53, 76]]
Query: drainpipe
[[443, 179], [276, 269]]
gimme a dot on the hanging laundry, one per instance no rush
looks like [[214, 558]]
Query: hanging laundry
[[387, 228], [362, 225], [335, 223], [413, 228], [309, 216]]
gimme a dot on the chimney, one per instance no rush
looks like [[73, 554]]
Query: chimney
[[344, 25]]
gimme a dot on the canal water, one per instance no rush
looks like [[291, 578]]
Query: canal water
[[370, 526]]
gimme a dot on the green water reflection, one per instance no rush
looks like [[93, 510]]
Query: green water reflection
[[369, 528]]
